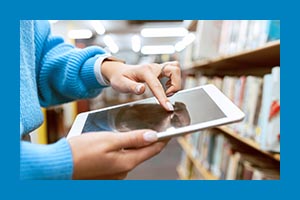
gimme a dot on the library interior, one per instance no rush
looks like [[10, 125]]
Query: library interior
[[240, 57]]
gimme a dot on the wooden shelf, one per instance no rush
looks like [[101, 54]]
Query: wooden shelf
[[181, 173], [188, 150], [263, 58], [248, 142]]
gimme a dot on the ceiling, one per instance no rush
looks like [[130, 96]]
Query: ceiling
[[121, 31]]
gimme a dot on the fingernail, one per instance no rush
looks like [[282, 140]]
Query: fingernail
[[150, 136], [138, 88], [170, 94], [170, 106]]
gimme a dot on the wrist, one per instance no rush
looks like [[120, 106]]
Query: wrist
[[109, 66]]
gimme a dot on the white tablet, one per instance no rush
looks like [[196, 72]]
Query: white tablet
[[195, 109]]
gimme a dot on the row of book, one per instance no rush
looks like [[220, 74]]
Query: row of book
[[218, 38], [258, 98], [224, 159]]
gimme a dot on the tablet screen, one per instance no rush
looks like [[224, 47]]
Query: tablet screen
[[191, 107]]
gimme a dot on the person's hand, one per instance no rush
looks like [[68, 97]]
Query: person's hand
[[108, 155], [131, 79]]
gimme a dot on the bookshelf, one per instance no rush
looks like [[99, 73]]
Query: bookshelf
[[189, 151], [257, 62], [181, 174], [250, 143]]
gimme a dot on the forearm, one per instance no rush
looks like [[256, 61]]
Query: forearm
[[63, 72], [72, 79], [46, 161]]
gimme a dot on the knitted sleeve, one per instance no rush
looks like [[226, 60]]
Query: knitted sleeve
[[64, 73], [53, 161]]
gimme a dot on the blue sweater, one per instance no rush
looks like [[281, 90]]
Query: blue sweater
[[51, 72]]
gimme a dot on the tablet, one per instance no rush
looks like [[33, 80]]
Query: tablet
[[194, 109]]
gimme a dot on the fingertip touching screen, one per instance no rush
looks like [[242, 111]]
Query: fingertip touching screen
[[191, 107]]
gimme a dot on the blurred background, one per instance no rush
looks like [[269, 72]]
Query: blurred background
[[238, 56], [133, 40]]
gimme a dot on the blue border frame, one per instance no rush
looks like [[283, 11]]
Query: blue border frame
[[12, 187]]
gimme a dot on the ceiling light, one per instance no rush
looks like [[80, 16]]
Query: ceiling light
[[98, 26], [159, 49], [52, 21], [164, 32], [179, 46], [136, 43], [110, 43], [80, 34], [188, 39]]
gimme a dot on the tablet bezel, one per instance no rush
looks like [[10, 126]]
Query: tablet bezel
[[232, 112]]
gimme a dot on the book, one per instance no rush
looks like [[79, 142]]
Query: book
[[185, 165], [217, 155], [251, 106], [265, 174], [247, 171], [257, 34], [194, 139], [207, 40], [261, 129], [190, 82], [272, 142], [231, 173], [227, 152], [274, 30], [227, 160], [225, 37], [221, 38], [186, 57], [251, 94]]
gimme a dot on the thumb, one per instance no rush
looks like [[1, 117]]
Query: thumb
[[134, 139], [128, 85]]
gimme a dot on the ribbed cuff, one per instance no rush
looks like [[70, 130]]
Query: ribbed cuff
[[52, 161], [97, 69], [98, 65], [88, 75]]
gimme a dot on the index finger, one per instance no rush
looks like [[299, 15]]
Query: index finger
[[158, 91]]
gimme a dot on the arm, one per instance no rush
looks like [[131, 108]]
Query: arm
[[64, 73], [52, 161], [101, 158], [109, 155]]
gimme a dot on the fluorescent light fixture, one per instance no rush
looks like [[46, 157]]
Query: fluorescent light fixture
[[110, 43], [136, 43], [158, 49], [179, 46], [80, 34], [98, 26], [52, 21], [187, 40], [164, 32]]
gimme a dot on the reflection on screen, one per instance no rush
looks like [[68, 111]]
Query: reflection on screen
[[192, 107]]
